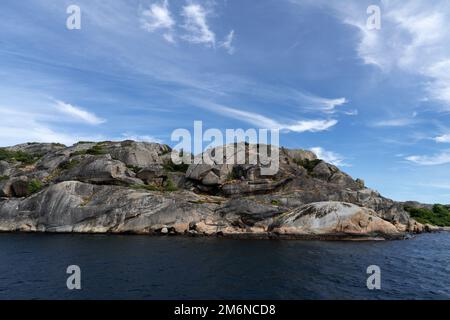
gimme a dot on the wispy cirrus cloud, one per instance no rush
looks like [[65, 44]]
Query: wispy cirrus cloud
[[414, 38], [194, 27], [228, 43], [323, 104], [261, 121], [78, 114], [433, 160], [409, 29], [22, 126], [399, 122]]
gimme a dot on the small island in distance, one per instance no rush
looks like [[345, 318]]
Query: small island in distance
[[133, 187]]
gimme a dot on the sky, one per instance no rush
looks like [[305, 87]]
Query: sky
[[374, 102]]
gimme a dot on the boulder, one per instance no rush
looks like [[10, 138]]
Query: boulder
[[5, 169], [138, 154], [15, 187], [154, 175], [248, 212], [100, 170], [333, 218]]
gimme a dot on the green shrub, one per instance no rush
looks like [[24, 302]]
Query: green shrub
[[135, 169], [94, 151], [20, 156], [170, 186], [172, 167], [3, 178], [438, 216], [233, 175], [34, 186], [275, 202], [309, 165], [67, 165]]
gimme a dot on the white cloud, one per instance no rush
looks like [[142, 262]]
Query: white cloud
[[414, 38], [227, 44], [434, 160], [330, 157], [400, 122], [196, 25], [159, 17], [443, 138], [323, 104], [19, 127], [79, 114], [310, 125], [261, 121], [169, 37], [136, 137]]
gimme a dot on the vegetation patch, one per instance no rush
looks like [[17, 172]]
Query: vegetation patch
[[438, 216], [309, 165], [17, 156], [135, 169], [3, 178], [34, 186], [172, 167], [275, 202], [234, 175], [96, 150], [170, 186], [54, 174], [59, 145], [67, 165]]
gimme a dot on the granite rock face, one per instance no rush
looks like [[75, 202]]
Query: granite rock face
[[134, 187]]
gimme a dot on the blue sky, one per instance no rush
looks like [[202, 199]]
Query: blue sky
[[374, 102]]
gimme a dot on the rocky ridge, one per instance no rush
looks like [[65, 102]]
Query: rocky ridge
[[134, 187]]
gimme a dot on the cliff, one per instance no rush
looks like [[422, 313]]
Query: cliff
[[133, 187]]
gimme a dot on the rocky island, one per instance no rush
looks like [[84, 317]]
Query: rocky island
[[134, 187]]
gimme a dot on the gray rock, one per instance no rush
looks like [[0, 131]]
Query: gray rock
[[333, 218], [99, 187], [138, 154], [5, 168], [100, 170]]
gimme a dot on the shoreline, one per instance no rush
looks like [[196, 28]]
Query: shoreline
[[243, 236]]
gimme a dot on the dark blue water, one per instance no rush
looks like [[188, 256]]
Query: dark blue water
[[33, 266]]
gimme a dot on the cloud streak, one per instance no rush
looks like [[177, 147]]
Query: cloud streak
[[445, 138], [78, 114], [262, 121], [228, 43], [434, 160]]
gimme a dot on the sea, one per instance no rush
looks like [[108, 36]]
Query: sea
[[35, 266]]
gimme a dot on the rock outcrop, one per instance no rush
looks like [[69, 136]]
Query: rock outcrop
[[134, 187]]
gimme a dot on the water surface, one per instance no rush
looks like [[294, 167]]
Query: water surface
[[33, 266]]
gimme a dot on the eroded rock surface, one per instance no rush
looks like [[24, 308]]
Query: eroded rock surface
[[133, 187]]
